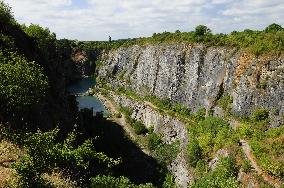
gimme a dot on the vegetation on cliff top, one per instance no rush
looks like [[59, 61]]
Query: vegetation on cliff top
[[270, 40]]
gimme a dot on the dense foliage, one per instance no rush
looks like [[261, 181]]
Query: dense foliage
[[44, 154], [270, 40], [22, 84], [223, 176], [267, 144], [5, 13], [208, 136]]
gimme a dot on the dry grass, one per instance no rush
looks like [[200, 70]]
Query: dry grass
[[9, 153], [57, 180]]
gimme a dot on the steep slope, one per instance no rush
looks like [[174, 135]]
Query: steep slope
[[198, 76], [57, 108]]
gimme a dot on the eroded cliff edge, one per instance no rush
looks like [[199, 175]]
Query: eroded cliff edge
[[198, 76]]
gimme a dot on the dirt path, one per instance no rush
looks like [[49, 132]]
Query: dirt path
[[113, 109], [248, 152]]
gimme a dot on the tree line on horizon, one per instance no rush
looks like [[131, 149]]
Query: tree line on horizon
[[269, 40]]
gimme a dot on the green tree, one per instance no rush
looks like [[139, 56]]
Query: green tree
[[202, 30], [45, 40], [22, 84], [274, 28], [5, 12]]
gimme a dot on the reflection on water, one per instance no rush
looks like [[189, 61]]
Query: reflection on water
[[82, 86]]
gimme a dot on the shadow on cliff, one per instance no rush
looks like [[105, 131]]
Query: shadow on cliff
[[112, 140]]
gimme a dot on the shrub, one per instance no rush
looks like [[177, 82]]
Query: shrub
[[223, 176], [225, 103], [194, 152], [200, 115], [45, 39], [5, 13], [245, 131], [44, 154], [260, 115], [166, 153], [268, 148], [154, 141], [274, 28], [22, 84], [139, 128], [212, 134], [169, 182], [246, 166], [257, 42], [201, 168], [181, 110], [202, 30]]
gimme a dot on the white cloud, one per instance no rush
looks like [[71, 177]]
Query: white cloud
[[133, 18]]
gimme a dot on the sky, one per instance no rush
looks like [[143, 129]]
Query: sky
[[97, 19]]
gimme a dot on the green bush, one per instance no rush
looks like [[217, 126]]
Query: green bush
[[181, 110], [166, 153], [22, 84], [246, 166], [199, 115], [257, 42], [6, 15], [45, 40], [245, 131], [44, 154], [260, 115], [225, 103], [274, 28], [268, 148], [139, 128], [194, 152], [154, 141], [169, 182], [212, 134], [224, 176], [201, 168]]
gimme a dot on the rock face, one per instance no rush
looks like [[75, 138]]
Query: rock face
[[170, 128], [197, 76], [194, 76]]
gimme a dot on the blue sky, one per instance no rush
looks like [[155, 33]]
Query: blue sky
[[97, 19]]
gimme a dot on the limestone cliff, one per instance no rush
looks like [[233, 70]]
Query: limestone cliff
[[197, 76], [171, 130]]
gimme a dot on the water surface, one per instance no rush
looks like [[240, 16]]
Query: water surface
[[79, 88]]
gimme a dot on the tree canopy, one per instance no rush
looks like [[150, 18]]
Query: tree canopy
[[22, 83], [5, 12]]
